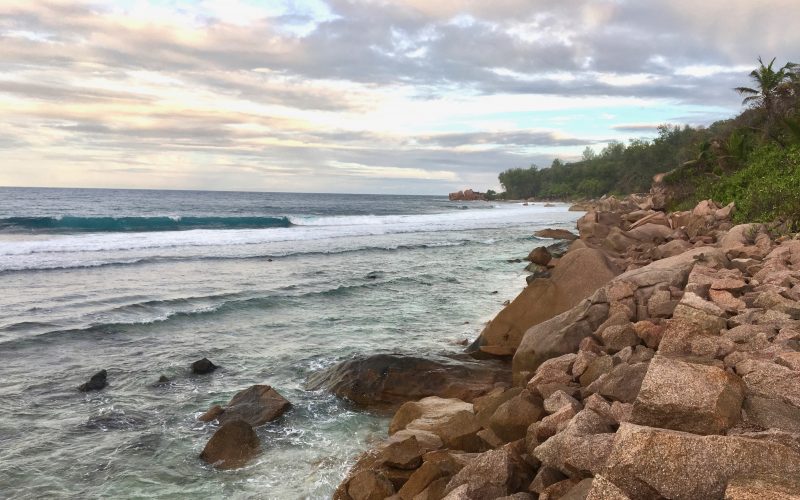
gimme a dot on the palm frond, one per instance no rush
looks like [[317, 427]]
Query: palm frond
[[746, 90]]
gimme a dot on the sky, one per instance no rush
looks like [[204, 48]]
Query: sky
[[358, 96]]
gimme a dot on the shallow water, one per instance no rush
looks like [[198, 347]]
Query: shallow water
[[349, 275]]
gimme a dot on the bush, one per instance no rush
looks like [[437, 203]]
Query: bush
[[766, 189]]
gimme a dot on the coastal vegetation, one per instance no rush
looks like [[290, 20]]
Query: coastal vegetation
[[752, 159]]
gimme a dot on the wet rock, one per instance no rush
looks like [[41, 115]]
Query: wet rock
[[385, 381], [688, 397], [646, 462], [97, 382], [162, 381], [203, 367], [117, 420], [256, 405], [540, 255], [212, 414], [232, 446], [556, 234]]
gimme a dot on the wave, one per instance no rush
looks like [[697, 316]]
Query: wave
[[388, 248], [71, 224], [102, 323]]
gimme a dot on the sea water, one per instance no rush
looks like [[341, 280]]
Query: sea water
[[271, 287]]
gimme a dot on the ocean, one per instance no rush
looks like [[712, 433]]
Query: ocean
[[270, 286]]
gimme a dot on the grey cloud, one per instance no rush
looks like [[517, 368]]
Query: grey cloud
[[515, 138]]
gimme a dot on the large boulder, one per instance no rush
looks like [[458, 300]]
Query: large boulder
[[563, 333], [773, 394], [385, 381], [688, 397], [451, 420], [256, 405], [647, 463], [232, 446], [578, 274]]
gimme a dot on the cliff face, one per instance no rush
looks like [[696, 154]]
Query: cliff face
[[659, 359]]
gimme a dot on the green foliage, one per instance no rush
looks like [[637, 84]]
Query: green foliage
[[616, 169], [764, 190], [752, 159]]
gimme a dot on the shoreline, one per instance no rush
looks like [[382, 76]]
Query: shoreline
[[601, 346]]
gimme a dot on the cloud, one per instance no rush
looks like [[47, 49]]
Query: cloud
[[406, 91]]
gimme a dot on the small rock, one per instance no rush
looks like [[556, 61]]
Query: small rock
[[203, 366], [212, 413], [96, 383]]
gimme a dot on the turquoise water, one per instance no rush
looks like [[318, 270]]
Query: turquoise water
[[270, 304]]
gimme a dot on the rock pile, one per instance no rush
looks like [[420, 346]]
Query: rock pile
[[660, 359], [466, 195]]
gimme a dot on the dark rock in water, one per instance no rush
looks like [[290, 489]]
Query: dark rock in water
[[256, 405], [558, 249], [385, 381], [117, 420], [514, 261], [212, 413], [556, 234], [232, 446], [374, 275], [97, 382], [203, 366], [162, 381], [495, 292], [540, 255]]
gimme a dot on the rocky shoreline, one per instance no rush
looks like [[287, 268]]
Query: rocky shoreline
[[658, 357]]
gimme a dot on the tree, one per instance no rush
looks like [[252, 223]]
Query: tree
[[589, 154], [771, 86]]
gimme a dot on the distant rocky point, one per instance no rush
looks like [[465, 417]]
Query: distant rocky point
[[467, 195]]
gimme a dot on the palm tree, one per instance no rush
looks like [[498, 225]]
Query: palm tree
[[771, 86]]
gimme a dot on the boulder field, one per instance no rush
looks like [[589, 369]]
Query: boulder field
[[659, 359]]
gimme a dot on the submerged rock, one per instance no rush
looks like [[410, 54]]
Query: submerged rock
[[232, 446], [203, 366], [385, 381], [97, 382]]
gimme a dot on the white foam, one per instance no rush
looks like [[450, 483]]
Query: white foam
[[82, 249]]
